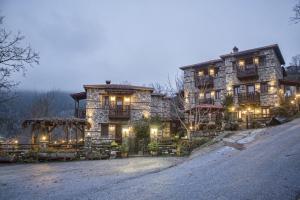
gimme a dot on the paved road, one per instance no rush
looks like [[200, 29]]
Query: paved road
[[268, 168]]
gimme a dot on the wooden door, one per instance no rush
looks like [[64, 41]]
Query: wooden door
[[119, 133]]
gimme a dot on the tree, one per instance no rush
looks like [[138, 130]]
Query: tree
[[192, 112], [296, 10], [158, 88], [14, 57], [295, 61]]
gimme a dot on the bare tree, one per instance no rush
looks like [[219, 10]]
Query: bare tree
[[159, 88], [13, 58], [295, 61], [43, 105], [296, 10], [191, 113]]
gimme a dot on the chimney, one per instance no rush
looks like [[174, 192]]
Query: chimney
[[235, 49], [107, 82]]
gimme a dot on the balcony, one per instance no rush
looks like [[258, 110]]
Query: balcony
[[206, 101], [249, 98], [80, 113], [122, 112], [247, 72], [204, 81]]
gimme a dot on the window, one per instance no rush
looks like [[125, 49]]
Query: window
[[211, 72], [236, 90], [265, 112], [256, 60], [200, 73], [262, 60], [201, 95], [104, 130], [264, 88], [207, 95], [250, 89], [218, 94], [105, 101]]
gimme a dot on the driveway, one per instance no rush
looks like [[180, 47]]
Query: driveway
[[267, 167]]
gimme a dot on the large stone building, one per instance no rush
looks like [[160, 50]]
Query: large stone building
[[112, 109], [254, 77]]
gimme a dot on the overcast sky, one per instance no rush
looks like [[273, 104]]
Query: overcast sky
[[88, 42]]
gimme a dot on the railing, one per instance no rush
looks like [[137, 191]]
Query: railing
[[119, 112], [80, 113], [249, 98], [248, 71], [206, 101], [204, 81]]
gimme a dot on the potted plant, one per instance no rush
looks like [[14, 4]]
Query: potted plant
[[153, 148], [114, 149], [124, 150]]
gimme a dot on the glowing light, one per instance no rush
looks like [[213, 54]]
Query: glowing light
[[212, 72], [232, 109], [16, 141], [241, 63], [191, 127], [126, 99], [276, 104], [248, 109], [212, 93], [153, 131], [125, 132], [44, 138], [63, 141], [112, 98], [55, 142], [292, 102], [88, 135], [200, 73], [80, 140], [112, 127], [146, 114], [256, 60], [201, 95]]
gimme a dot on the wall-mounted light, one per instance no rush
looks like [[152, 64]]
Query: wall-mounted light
[[112, 127], [241, 63], [16, 141]]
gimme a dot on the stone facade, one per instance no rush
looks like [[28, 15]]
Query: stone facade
[[268, 62], [142, 103]]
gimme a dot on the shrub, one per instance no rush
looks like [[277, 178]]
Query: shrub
[[153, 146]]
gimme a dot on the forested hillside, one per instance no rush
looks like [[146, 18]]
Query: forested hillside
[[31, 104]]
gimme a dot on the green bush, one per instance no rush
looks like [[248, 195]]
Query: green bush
[[153, 146]]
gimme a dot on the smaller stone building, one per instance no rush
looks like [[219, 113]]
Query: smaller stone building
[[112, 109]]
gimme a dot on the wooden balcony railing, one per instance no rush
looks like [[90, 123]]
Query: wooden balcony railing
[[80, 113], [249, 98], [248, 71], [204, 81], [206, 101], [119, 112]]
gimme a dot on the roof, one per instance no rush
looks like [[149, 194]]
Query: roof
[[202, 64], [238, 53], [78, 96], [249, 51], [118, 87]]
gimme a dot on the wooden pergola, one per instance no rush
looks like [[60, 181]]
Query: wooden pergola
[[45, 126]]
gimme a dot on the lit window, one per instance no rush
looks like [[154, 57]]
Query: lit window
[[256, 60], [200, 73], [201, 95], [112, 98], [241, 63], [211, 72]]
